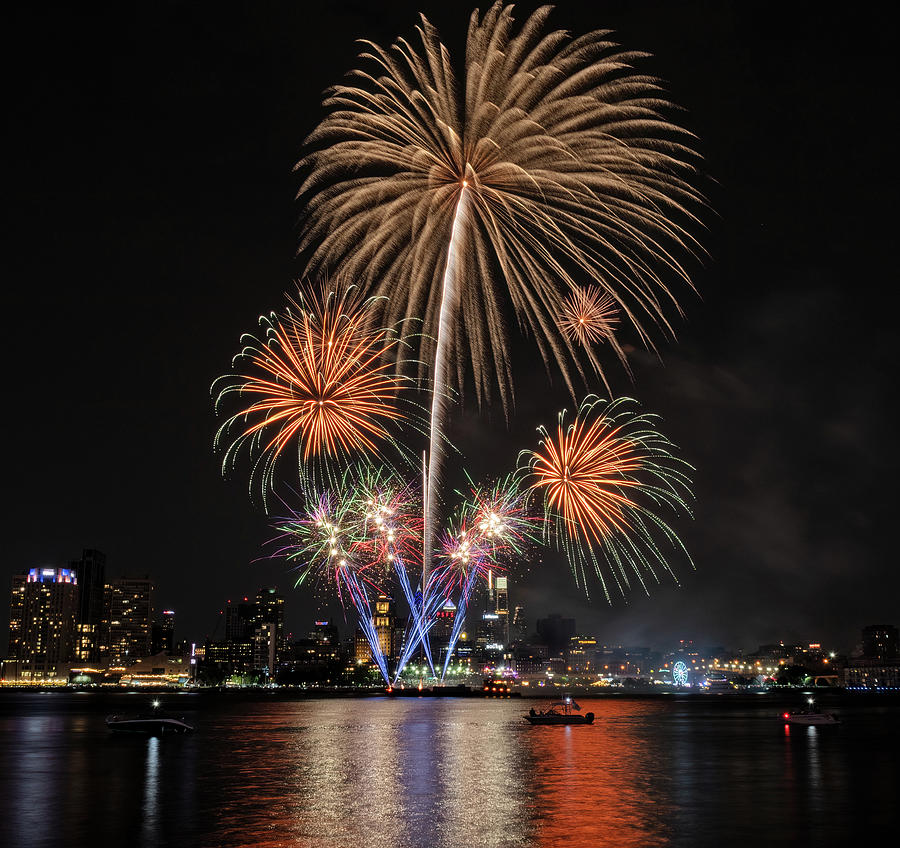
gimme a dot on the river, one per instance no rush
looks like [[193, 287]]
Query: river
[[407, 772]]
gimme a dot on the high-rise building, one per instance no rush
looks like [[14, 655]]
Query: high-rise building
[[519, 627], [442, 630], [384, 624], [880, 641], [162, 633], [501, 607], [240, 620], [264, 647], [16, 615], [91, 573], [325, 634], [128, 617], [49, 609], [270, 610]]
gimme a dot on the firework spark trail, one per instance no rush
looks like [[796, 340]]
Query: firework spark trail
[[423, 614], [460, 619], [327, 544], [603, 478], [548, 162], [440, 382], [494, 524], [366, 622], [421, 624]]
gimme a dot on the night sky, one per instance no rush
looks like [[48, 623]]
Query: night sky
[[154, 218]]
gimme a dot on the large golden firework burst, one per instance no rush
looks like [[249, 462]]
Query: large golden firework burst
[[549, 158]]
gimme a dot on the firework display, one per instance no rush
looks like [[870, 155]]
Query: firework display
[[603, 478], [354, 538], [546, 180], [454, 193], [323, 381], [589, 315]]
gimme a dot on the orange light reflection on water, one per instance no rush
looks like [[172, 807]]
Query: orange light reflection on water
[[600, 777]]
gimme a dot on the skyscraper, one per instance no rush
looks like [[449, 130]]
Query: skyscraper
[[91, 573], [442, 630], [128, 617], [49, 609], [16, 615], [880, 641], [240, 619], [384, 625], [270, 610], [501, 607], [162, 633], [519, 627]]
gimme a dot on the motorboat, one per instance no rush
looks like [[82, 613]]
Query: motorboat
[[810, 716], [156, 723], [564, 711]]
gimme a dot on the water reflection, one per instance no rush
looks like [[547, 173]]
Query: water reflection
[[440, 773], [379, 773], [151, 792], [599, 777]]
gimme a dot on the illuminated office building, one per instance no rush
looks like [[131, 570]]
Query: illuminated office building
[[384, 625], [270, 611], [49, 610], [501, 608], [16, 615], [91, 573], [162, 634], [129, 614]]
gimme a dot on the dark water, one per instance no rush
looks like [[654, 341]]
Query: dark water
[[685, 771]]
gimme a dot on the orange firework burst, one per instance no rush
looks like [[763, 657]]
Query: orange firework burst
[[589, 315], [585, 470], [598, 476], [323, 379]]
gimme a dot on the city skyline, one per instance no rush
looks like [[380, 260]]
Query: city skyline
[[115, 632], [177, 221]]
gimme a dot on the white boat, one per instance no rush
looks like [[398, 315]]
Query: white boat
[[810, 716], [152, 724]]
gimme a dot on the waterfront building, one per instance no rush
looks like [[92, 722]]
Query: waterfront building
[[325, 635], [265, 651], [129, 605], [162, 634], [157, 670], [501, 608], [240, 620], [488, 638], [270, 611], [442, 630], [581, 654], [880, 642], [16, 616], [49, 611], [385, 622], [362, 653], [91, 573], [865, 673], [519, 627]]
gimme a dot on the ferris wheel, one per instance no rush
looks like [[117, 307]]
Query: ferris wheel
[[680, 674]]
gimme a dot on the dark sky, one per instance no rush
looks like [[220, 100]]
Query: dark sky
[[152, 199]]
